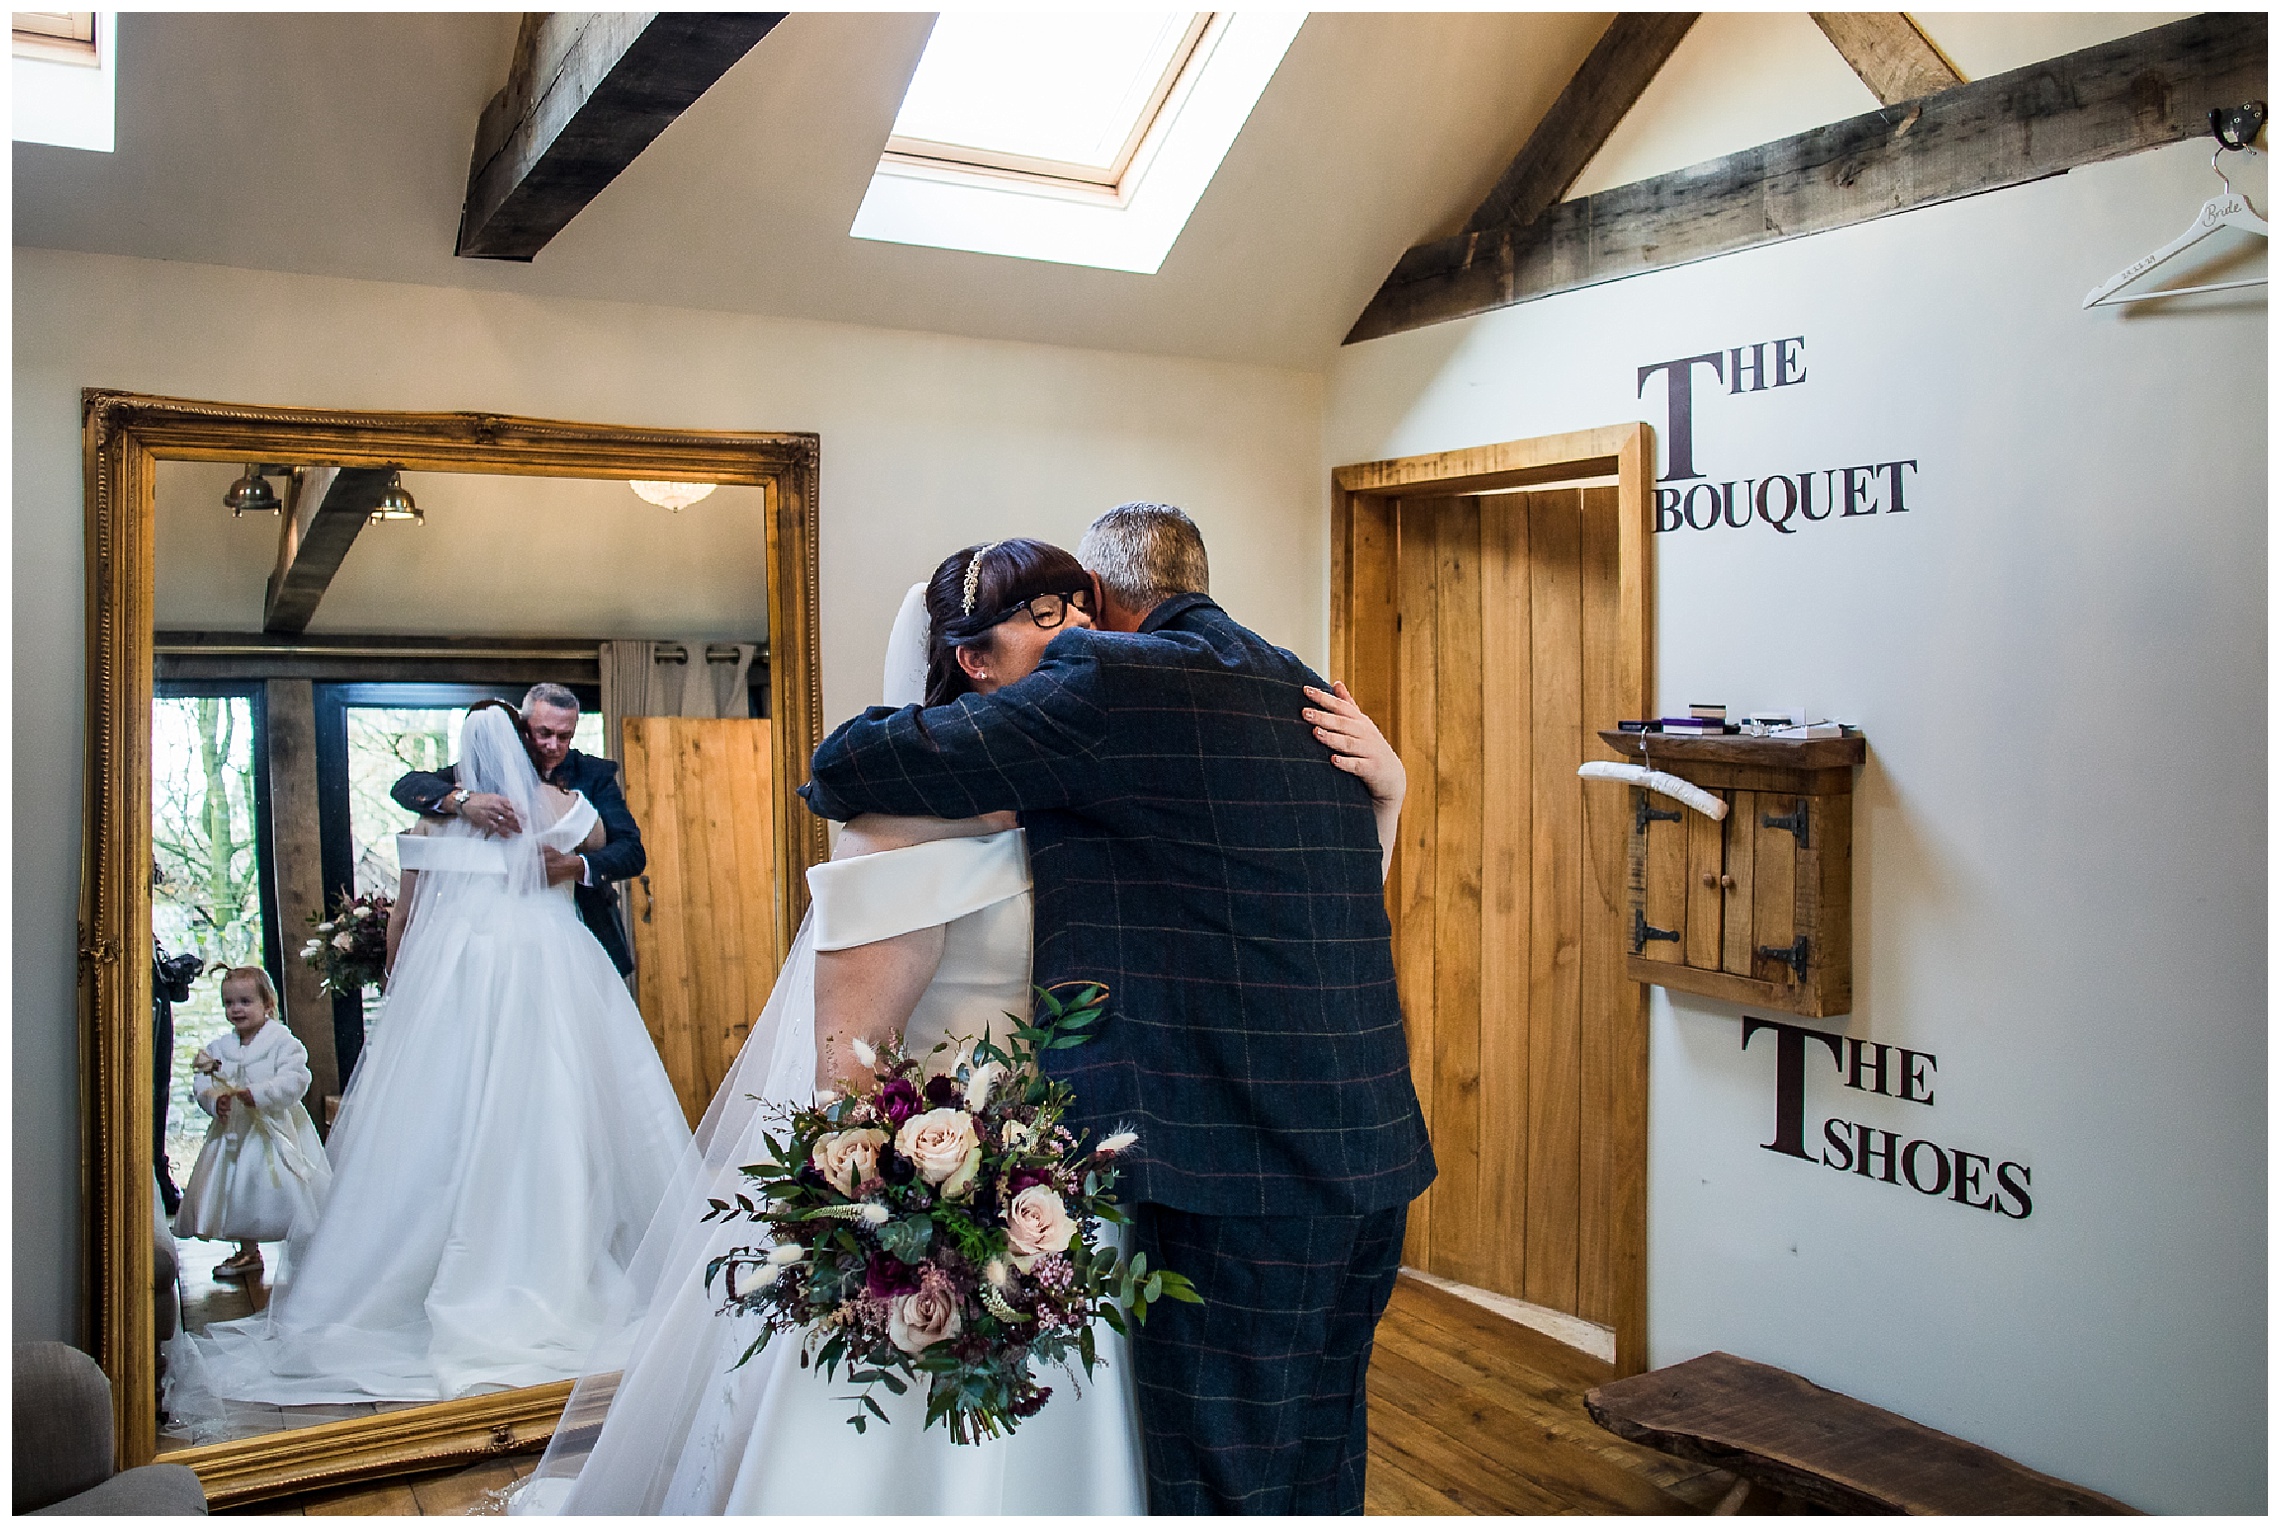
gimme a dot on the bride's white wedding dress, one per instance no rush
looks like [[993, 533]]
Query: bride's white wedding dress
[[682, 1430], [502, 1148]]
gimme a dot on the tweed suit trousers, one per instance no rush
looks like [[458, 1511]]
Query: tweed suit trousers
[[1256, 1400]]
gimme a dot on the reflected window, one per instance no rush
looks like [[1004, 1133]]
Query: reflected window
[[206, 881]]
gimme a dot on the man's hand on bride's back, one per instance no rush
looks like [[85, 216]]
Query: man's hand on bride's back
[[493, 814], [875, 833]]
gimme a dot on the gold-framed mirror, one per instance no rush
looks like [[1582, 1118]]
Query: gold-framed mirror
[[130, 444]]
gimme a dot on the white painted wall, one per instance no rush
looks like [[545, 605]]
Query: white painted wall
[[2058, 656], [929, 442]]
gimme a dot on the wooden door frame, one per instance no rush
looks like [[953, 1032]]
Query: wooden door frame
[[124, 436], [1626, 452]]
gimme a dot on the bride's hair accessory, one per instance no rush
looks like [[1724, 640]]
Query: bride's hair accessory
[[974, 574], [955, 608]]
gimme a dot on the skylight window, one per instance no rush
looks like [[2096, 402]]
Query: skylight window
[[1064, 96], [1085, 139], [62, 78]]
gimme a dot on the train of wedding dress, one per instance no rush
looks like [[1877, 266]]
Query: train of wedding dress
[[501, 1150]]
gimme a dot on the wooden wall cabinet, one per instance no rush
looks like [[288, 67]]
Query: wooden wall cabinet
[[1756, 908]]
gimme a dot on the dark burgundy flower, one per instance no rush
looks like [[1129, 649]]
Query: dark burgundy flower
[[1034, 1402], [1025, 1177], [941, 1092], [888, 1276], [895, 1167], [896, 1101]]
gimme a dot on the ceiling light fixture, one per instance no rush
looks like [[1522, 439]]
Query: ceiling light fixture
[[673, 496], [251, 493], [395, 504]]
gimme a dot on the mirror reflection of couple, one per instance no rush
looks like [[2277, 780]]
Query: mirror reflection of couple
[[1204, 829], [509, 1131]]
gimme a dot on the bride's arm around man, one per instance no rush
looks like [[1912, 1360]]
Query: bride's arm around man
[[1194, 848]]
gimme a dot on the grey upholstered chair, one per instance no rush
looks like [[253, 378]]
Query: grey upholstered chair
[[64, 1445]]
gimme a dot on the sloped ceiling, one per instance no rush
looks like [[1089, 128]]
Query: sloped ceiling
[[337, 144]]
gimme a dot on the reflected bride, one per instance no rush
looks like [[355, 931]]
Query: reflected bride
[[498, 1154]]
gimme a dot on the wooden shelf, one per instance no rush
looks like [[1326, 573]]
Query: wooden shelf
[[1733, 748], [1754, 907]]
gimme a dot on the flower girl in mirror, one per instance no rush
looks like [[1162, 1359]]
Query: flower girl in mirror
[[261, 1174]]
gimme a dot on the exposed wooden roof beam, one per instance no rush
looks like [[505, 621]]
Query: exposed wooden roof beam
[[2118, 98], [310, 549], [586, 93], [1889, 52], [1604, 87]]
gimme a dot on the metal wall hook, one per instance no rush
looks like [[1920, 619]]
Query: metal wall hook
[[2236, 127]]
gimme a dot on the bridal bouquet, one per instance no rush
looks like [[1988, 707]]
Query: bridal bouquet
[[350, 949], [943, 1229]]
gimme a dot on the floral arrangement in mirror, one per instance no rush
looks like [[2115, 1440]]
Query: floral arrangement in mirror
[[349, 950]]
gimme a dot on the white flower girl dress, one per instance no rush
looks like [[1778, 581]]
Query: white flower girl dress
[[262, 1173]]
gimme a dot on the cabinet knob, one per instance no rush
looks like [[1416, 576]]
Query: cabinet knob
[[1726, 881], [1714, 881]]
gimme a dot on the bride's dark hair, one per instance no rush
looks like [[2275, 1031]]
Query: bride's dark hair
[[1010, 572]]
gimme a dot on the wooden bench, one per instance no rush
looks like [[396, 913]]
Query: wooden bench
[[1787, 1435]]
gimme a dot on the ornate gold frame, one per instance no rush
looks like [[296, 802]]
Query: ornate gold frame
[[123, 437]]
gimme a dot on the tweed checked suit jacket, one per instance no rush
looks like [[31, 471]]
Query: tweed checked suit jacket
[[1193, 848]]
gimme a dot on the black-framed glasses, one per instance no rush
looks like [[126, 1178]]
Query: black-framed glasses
[[1047, 611]]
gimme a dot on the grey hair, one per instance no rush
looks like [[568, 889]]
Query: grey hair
[[1144, 554], [549, 695]]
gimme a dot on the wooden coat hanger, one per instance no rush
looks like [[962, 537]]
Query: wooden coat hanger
[[2231, 210]]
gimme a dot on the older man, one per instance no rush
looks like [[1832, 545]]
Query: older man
[[550, 713], [1194, 851]]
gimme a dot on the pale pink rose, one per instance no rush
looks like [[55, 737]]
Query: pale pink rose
[[917, 1321], [344, 942], [1037, 1223], [942, 1145], [848, 1157]]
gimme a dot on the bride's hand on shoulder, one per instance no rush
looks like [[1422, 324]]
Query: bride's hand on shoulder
[[1356, 745]]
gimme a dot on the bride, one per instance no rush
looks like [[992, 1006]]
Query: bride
[[918, 927], [501, 1148]]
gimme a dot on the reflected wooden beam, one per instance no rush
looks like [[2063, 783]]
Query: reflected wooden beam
[[586, 93], [1889, 52], [1603, 90], [311, 546]]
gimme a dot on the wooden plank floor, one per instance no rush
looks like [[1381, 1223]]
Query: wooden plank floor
[[1469, 1414], [1473, 1414], [206, 1300], [475, 1490]]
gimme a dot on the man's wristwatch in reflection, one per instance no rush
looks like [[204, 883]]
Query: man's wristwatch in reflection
[[453, 802]]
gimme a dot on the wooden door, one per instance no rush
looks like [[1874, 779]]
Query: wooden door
[[704, 913], [1494, 635]]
